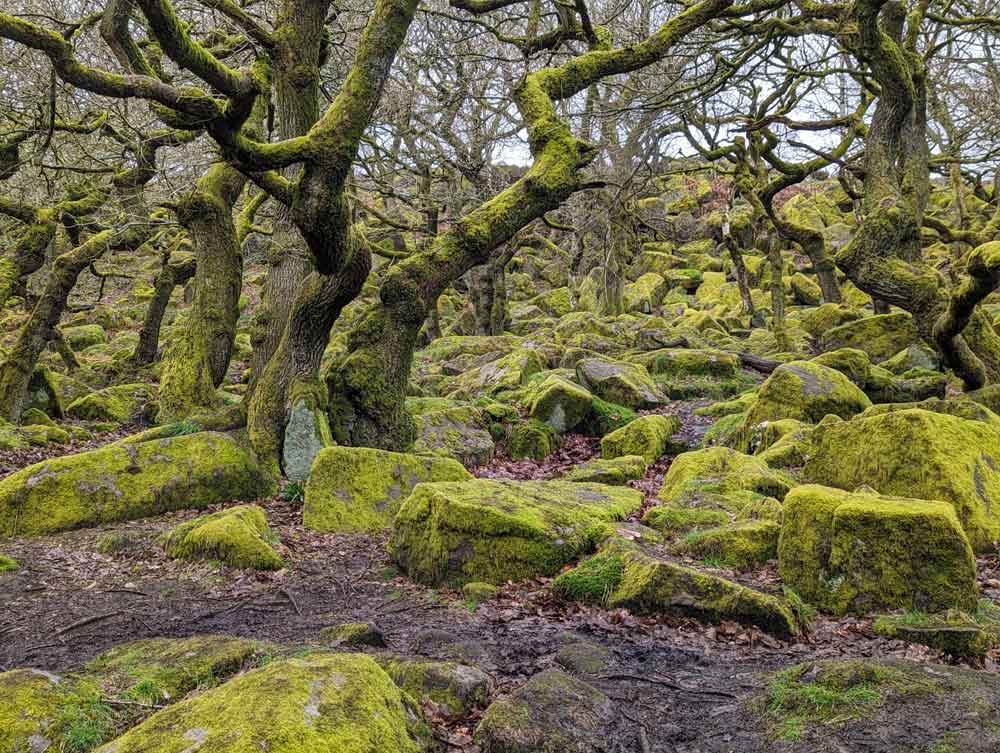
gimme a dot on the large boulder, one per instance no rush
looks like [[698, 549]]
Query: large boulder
[[647, 436], [560, 403], [861, 552], [917, 453], [127, 481], [881, 336], [645, 294], [553, 711], [117, 404], [624, 574], [321, 701], [238, 536], [455, 432], [805, 391], [361, 488], [619, 382], [494, 531], [503, 375], [678, 362]]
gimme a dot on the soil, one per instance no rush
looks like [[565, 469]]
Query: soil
[[679, 685]]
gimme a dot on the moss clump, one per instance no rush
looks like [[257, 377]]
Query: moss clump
[[674, 520], [861, 552], [533, 439], [619, 382], [117, 404], [553, 711], [125, 482], [84, 335], [647, 436], [28, 704], [615, 471], [478, 593], [456, 689], [881, 336], [494, 531], [624, 575], [833, 692], [724, 432], [360, 488], [353, 634], [805, 391], [604, 418], [318, 702], [35, 417], [719, 472], [8, 564], [851, 362], [739, 545], [560, 403], [917, 453], [960, 635], [163, 670], [238, 537], [686, 362]]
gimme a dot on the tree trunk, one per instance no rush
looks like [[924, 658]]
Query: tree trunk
[[175, 271], [196, 362]]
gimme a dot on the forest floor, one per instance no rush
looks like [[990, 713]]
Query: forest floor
[[679, 685]]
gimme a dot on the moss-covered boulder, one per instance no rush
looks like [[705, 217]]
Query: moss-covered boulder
[[720, 472], [617, 471], [861, 552], [127, 481], [117, 404], [917, 453], [737, 545], [805, 290], [823, 318], [604, 418], [881, 336], [84, 335], [494, 531], [532, 439], [917, 384], [238, 536], [455, 432], [619, 382], [851, 362], [355, 634], [689, 362], [553, 711], [361, 488], [45, 393], [961, 635], [624, 574], [560, 403], [510, 372], [8, 564], [29, 703], [645, 294], [318, 702], [805, 391], [647, 436], [163, 670], [455, 689]]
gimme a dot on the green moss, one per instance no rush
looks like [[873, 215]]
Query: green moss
[[533, 439], [455, 689], [353, 634], [494, 531], [125, 482], [604, 418], [805, 391], [646, 436], [238, 536], [674, 520], [859, 552], [724, 432], [917, 453], [819, 320], [646, 293], [960, 635], [720, 472], [880, 336], [624, 575], [84, 335], [851, 362], [619, 382], [317, 702], [8, 564], [616, 471], [478, 593], [740, 545], [117, 404], [360, 488], [560, 403], [833, 692]]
